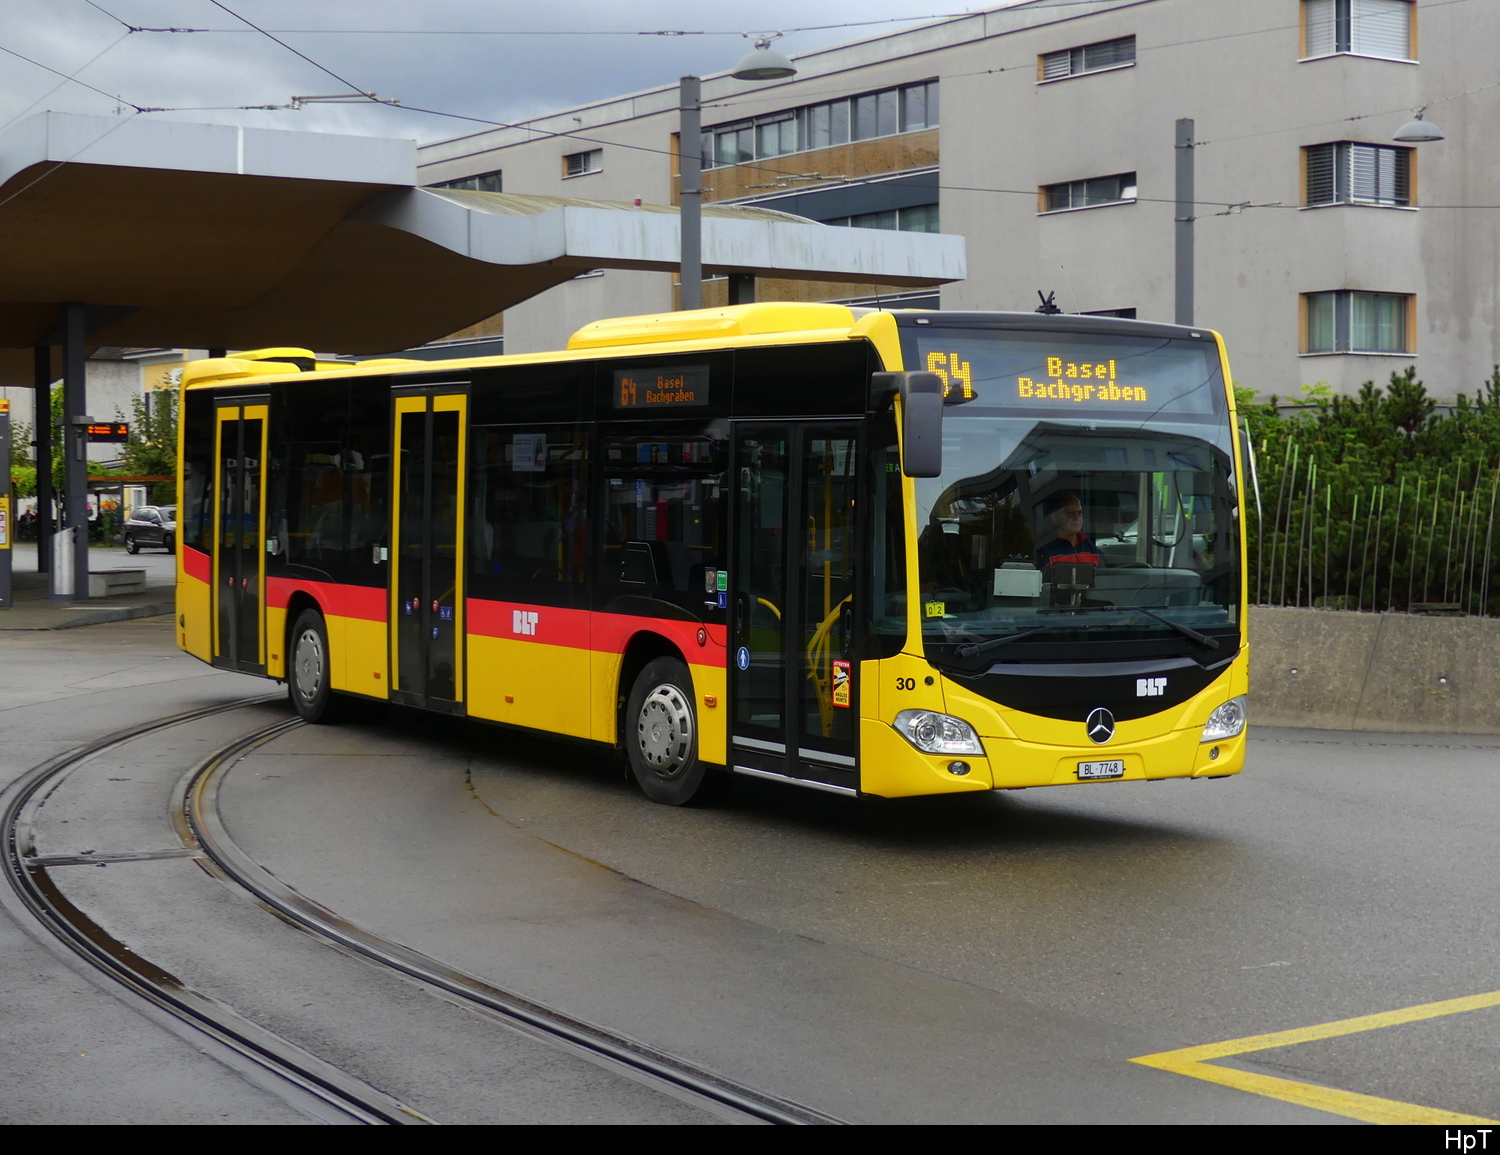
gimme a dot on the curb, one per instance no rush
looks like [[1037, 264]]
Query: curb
[[94, 617]]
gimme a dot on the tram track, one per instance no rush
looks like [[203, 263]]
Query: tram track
[[36, 902], [269, 1060], [196, 808]]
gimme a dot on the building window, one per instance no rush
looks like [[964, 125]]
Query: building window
[[917, 219], [484, 182], [583, 163], [1350, 322], [1383, 28], [1085, 194], [1088, 58], [889, 112], [1363, 174]]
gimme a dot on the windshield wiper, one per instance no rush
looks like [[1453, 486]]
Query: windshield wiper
[[1186, 631], [974, 649]]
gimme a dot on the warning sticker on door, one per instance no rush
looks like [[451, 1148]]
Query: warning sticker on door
[[841, 683]]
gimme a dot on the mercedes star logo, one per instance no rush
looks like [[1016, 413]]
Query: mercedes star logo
[[1100, 726]]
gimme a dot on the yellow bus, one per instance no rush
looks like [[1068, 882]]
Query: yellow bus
[[864, 552]]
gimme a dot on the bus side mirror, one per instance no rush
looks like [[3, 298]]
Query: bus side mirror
[[921, 424]]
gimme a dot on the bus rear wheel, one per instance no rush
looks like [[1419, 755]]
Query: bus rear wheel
[[661, 738], [308, 681]]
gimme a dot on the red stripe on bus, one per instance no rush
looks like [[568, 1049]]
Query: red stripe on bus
[[197, 565], [583, 630], [365, 602], [550, 625]]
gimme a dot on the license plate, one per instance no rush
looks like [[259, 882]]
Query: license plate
[[1114, 769]]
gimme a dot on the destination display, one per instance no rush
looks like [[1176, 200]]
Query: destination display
[[661, 387], [1072, 381], [109, 432], [1081, 372]]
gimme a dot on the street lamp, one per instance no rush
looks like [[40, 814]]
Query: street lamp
[[760, 63], [1417, 131]]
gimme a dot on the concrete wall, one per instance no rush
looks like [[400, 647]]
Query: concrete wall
[[1384, 672]]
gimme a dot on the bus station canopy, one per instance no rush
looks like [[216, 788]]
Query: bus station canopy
[[185, 235]]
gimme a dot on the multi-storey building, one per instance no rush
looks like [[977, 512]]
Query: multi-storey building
[[1043, 132]]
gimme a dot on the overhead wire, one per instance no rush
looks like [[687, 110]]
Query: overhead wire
[[66, 79], [1232, 206], [74, 77], [295, 52]]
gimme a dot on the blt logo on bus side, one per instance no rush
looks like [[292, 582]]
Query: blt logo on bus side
[[1150, 687]]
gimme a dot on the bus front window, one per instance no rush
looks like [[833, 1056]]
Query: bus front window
[[1080, 522]]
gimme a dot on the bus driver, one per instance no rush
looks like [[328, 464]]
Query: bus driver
[[1068, 541]]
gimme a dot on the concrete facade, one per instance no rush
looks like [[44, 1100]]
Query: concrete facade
[[1238, 70]]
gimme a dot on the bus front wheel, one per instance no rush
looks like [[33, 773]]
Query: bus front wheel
[[661, 738], [308, 680]]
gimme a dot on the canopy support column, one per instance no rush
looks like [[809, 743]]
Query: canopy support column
[[41, 424], [75, 459]]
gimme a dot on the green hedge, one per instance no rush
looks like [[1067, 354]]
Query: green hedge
[[1378, 501]]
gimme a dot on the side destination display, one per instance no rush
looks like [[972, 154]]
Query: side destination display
[[661, 387]]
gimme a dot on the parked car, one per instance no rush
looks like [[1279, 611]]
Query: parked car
[[151, 525]]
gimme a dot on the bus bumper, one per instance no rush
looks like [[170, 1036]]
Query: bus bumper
[[1016, 764]]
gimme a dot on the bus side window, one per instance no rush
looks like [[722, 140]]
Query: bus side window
[[662, 517], [305, 508], [367, 483], [195, 511], [529, 536]]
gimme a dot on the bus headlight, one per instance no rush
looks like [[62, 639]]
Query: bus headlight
[[1227, 721], [934, 733]]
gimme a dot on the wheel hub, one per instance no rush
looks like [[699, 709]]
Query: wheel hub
[[307, 663], [664, 731]]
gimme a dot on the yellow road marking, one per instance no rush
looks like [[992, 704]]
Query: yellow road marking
[[1195, 1063]]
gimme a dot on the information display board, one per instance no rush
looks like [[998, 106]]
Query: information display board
[[109, 432]]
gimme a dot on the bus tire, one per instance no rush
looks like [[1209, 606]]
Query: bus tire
[[308, 679], [661, 738]]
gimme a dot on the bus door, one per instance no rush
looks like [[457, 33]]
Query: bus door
[[429, 440], [792, 577], [239, 558]]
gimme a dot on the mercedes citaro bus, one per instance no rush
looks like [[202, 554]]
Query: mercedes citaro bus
[[864, 552]]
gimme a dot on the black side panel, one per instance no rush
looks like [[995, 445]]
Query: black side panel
[[532, 393], [803, 380]]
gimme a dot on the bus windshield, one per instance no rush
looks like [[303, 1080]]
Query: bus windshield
[[1087, 495]]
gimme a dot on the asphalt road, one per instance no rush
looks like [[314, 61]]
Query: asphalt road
[[982, 959]]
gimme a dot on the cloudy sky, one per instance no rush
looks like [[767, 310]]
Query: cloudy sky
[[496, 59]]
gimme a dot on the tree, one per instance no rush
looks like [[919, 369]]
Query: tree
[[152, 448], [22, 474]]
